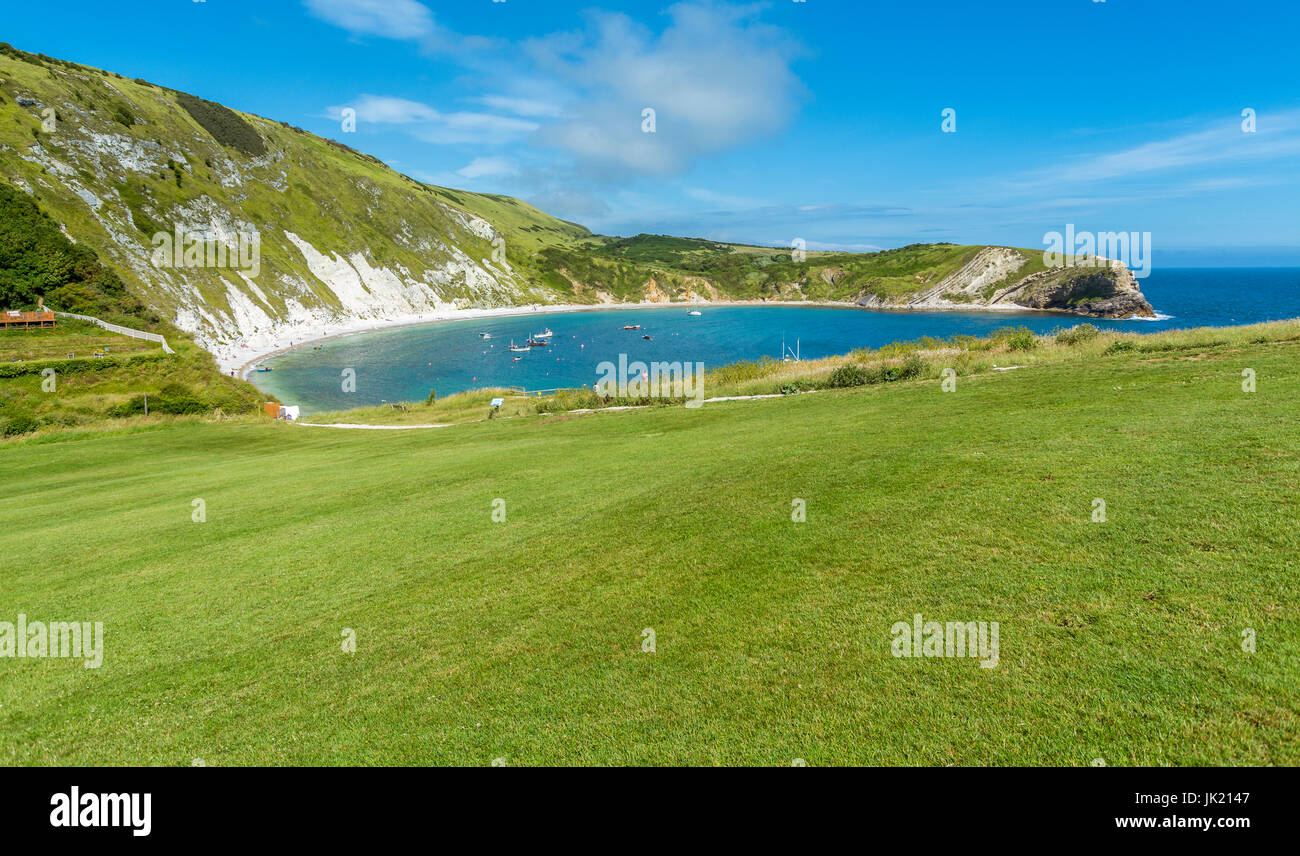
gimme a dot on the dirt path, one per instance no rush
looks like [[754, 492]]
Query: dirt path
[[369, 427], [560, 413]]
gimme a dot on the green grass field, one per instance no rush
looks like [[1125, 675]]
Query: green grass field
[[522, 640], [69, 337]]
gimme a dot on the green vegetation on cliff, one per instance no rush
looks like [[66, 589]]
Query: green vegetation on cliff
[[38, 262], [77, 372]]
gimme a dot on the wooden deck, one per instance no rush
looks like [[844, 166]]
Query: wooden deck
[[26, 320]]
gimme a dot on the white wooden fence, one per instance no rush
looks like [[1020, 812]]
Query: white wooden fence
[[125, 331]]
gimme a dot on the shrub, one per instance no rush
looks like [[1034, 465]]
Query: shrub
[[912, 367], [17, 423], [224, 124], [178, 398], [855, 375], [78, 365], [1077, 335], [228, 400], [131, 407], [1122, 346], [174, 398], [134, 197], [1015, 338], [795, 386], [848, 375], [37, 260], [122, 115], [1021, 340], [745, 370]]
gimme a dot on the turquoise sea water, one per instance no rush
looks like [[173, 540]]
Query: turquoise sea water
[[404, 364]]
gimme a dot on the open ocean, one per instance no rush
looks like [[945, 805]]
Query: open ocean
[[405, 363]]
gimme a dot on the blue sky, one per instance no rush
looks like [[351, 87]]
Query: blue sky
[[818, 120]]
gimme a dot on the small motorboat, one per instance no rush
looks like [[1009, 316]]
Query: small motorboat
[[485, 335], [516, 359], [647, 338], [695, 312], [262, 369], [546, 335], [518, 349], [631, 326]]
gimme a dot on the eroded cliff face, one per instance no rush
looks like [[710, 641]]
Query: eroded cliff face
[[1108, 291], [1094, 287], [306, 232]]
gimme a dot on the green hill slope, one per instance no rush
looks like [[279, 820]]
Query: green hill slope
[[78, 372]]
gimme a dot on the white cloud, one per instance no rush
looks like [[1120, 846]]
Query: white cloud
[[384, 109], [482, 128], [1222, 142], [530, 107], [486, 167], [567, 108], [392, 19], [715, 77], [721, 200], [432, 125]]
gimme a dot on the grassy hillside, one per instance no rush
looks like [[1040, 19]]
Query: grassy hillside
[[522, 639], [96, 374], [108, 377], [684, 266], [125, 159]]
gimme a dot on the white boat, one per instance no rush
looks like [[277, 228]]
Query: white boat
[[546, 335], [518, 349], [485, 335], [695, 312]]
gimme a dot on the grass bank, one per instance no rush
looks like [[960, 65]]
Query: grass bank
[[523, 639], [926, 358]]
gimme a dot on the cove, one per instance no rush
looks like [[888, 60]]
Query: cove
[[405, 363]]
